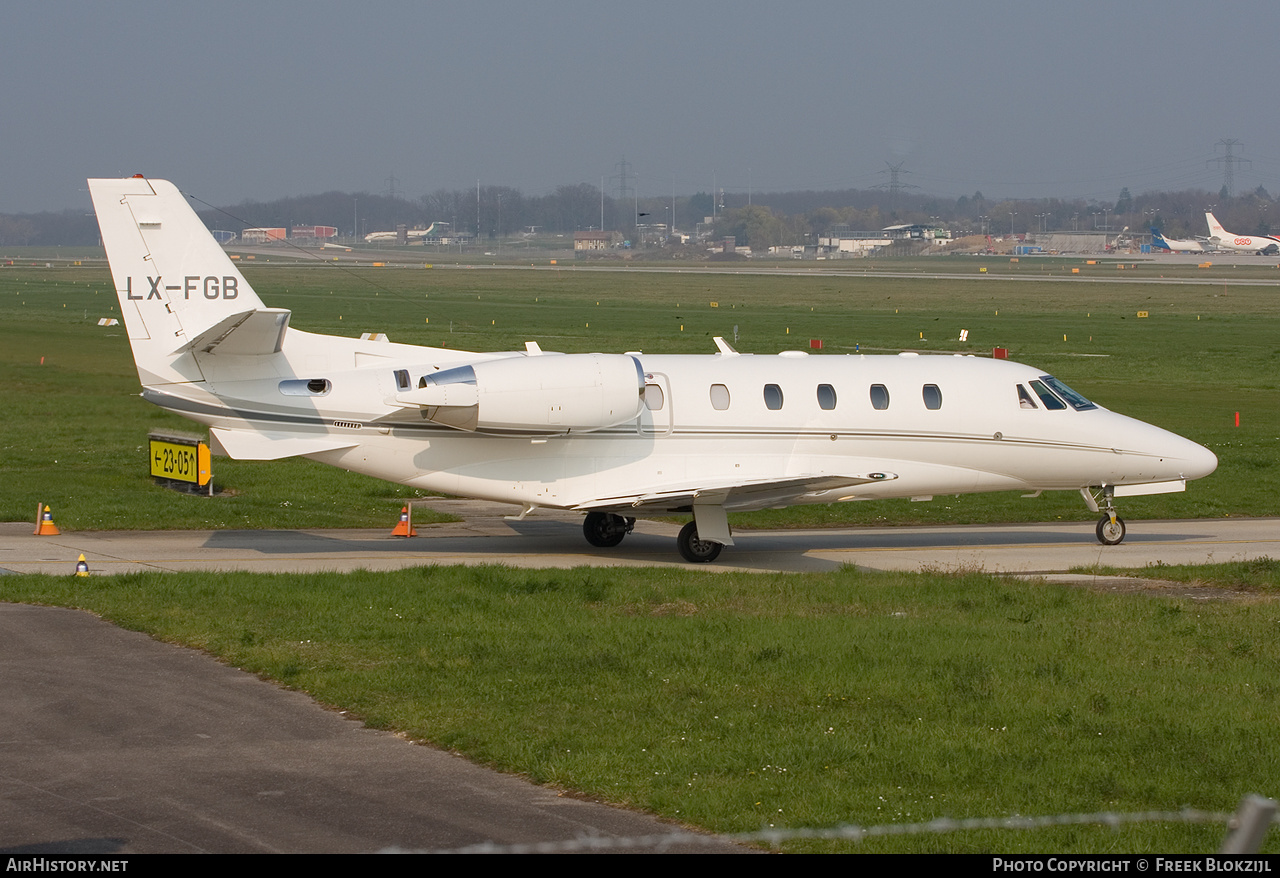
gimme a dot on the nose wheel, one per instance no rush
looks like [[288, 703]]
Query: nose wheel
[[1110, 530]]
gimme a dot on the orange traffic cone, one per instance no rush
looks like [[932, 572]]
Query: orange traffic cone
[[44, 523], [82, 566], [405, 527]]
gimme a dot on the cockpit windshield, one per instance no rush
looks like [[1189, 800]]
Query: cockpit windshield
[[1075, 400]]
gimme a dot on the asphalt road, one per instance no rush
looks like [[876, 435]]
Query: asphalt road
[[114, 743]]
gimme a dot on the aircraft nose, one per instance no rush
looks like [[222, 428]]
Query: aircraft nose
[[1199, 461], [1178, 457]]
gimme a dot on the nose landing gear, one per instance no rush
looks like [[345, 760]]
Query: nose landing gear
[[1110, 528]]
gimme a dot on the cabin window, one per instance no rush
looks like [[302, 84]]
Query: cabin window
[[879, 397], [719, 397], [772, 397], [1051, 402], [653, 397], [1075, 400], [932, 397], [402, 379], [1024, 399], [826, 397], [305, 387]]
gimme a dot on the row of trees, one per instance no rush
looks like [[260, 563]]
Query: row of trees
[[759, 221]]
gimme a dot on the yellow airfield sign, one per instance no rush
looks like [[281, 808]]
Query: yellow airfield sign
[[180, 460]]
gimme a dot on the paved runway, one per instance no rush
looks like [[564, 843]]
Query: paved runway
[[555, 540]]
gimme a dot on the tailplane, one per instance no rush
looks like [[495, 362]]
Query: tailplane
[[1215, 228], [179, 293]]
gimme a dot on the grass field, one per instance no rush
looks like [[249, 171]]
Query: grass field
[[75, 429], [738, 702], [730, 701]]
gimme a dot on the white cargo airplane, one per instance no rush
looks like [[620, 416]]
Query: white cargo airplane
[[612, 435], [1262, 245]]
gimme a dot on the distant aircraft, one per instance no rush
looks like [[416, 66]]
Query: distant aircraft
[[410, 234], [1174, 245], [1263, 245], [614, 436]]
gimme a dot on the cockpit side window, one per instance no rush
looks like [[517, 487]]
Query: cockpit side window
[[1075, 400], [1024, 399], [1051, 402]]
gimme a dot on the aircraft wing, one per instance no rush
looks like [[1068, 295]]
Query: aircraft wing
[[740, 496]]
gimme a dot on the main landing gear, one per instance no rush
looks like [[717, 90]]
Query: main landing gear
[[694, 550], [1110, 528], [605, 530]]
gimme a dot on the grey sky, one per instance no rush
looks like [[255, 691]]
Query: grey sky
[[235, 100]]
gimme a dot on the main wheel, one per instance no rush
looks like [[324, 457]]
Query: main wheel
[[694, 550], [1110, 533], [604, 530]]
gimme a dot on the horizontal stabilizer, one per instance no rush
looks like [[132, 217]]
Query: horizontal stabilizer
[[259, 445], [248, 333]]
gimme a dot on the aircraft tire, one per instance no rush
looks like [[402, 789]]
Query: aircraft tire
[[1110, 534], [694, 550], [604, 530]]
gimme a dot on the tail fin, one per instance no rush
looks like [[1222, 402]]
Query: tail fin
[[1215, 228], [180, 295], [1158, 239]]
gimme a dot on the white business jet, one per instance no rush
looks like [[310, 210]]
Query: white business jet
[[614, 436]]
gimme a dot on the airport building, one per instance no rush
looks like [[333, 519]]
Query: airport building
[[587, 241], [319, 233], [262, 236]]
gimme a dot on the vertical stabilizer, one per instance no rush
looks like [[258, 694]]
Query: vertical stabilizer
[[177, 288], [1215, 228]]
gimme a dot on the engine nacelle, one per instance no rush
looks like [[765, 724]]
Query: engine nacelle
[[543, 394]]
